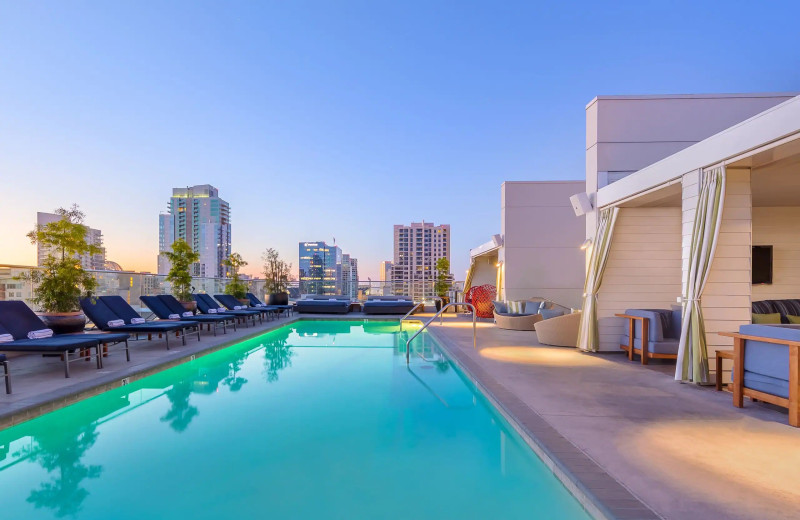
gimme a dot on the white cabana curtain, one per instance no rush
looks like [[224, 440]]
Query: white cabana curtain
[[692, 353], [588, 333]]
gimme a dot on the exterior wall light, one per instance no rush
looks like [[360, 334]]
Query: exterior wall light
[[586, 244]]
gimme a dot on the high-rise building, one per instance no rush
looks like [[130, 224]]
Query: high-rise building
[[386, 274], [349, 276], [93, 237], [320, 268], [197, 215], [417, 248]]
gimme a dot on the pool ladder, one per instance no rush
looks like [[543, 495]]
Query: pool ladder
[[441, 322]]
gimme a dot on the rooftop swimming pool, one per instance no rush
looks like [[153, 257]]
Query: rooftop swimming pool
[[317, 419]]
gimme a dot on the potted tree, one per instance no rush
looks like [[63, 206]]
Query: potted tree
[[61, 281], [181, 259], [442, 284], [236, 287], [276, 276]]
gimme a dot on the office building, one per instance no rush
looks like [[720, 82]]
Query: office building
[[349, 276], [197, 215], [320, 268], [417, 248], [93, 237]]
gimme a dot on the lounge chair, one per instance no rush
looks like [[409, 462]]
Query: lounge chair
[[255, 302], [656, 333], [559, 331], [324, 304], [388, 305], [6, 375], [525, 320], [166, 307], [233, 304], [100, 312], [17, 320], [207, 305]]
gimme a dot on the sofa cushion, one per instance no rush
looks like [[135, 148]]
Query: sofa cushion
[[657, 319], [763, 307], [768, 359], [500, 307], [793, 320], [532, 307], [767, 319], [786, 307], [550, 313], [766, 384], [668, 346]]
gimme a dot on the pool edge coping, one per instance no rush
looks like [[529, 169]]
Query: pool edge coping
[[586, 493]]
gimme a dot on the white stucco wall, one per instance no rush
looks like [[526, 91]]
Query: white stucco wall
[[542, 237]]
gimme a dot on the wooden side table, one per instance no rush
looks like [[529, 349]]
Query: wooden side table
[[722, 354]]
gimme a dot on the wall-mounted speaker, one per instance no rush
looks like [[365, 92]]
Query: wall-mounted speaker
[[581, 204]]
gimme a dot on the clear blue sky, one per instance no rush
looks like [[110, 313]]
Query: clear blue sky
[[337, 118]]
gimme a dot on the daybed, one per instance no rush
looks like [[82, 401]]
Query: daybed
[[388, 305], [559, 331], [324, 304]]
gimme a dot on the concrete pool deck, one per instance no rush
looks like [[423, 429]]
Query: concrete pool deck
[[683, 450]]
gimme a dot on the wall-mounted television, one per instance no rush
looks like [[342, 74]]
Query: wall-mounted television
[[762, 265]]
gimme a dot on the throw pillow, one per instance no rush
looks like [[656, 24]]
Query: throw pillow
[[500, 307], [551, 313], [794, 320], [516, 307], [767, 319]]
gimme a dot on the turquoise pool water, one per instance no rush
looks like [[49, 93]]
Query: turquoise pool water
[[315, 420]]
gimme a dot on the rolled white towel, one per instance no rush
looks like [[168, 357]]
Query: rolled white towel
[[260, 305], [174, 316], [112, 323], [137, 321], [5, 338], [212, 311], [187, 314], [238, 307], [221, 309]]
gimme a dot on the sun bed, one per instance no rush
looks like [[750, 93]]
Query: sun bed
[[165, 305], [255, 302], [559, 331], [17, 320], [208, 305], [324, 304], [100, 312], [231, 303], [388, 305], [524, 320]]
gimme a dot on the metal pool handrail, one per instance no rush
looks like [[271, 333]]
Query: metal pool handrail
[[439, 315], [409, 313]]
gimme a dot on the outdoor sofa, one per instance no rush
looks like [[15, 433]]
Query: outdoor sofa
[[107, 311], [388, 305], [766, 366], [651, 333], [167, 307], [527, 316], [559, 331], [17, 320], [767, 309], [324, 304]]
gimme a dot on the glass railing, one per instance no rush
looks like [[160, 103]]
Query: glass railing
[[131, 285]]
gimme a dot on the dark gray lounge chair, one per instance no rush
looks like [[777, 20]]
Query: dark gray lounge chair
[[255, 302], [206, 304], [232, 303], [100, 312], [166, 305], [17, 320]]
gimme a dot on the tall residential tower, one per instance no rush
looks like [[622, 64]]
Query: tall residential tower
[[197, 215], [416, 250], [93, 237]]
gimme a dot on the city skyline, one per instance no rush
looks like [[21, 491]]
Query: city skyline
[[285, 96]]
